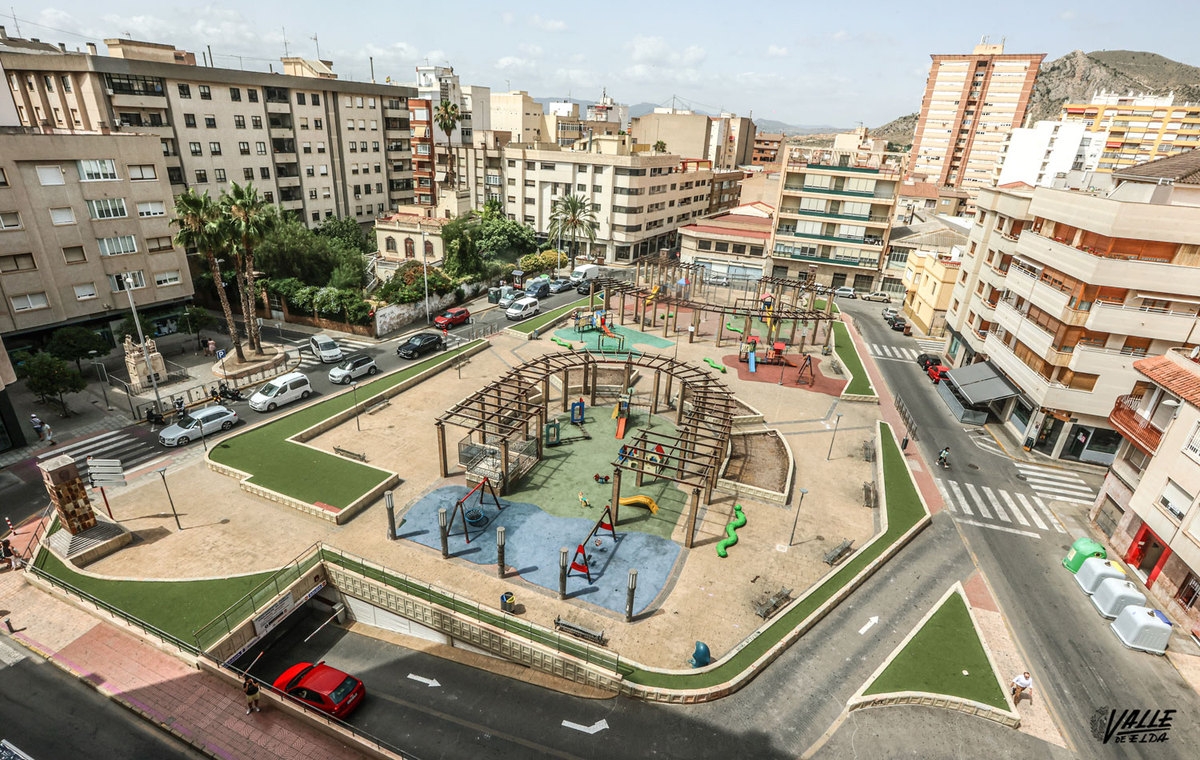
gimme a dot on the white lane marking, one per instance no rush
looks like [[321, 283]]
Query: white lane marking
[[1015, 509], [983, 510], [959, 496], [993, 526], [1032, 512]]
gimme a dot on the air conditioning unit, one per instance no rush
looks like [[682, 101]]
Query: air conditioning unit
[[108, 90], [357, 196]]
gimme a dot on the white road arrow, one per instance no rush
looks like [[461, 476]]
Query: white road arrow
[[870, 624], [426, 681], [596, 727]]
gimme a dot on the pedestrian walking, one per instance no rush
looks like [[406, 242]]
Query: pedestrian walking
[[9, 557], [1020, 685], [37, 425], [212, 347], [250, 689], [48, 434]]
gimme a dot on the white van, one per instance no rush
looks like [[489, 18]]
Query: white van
[[584, 272], [325, 348], [523, 308], [282, 390]]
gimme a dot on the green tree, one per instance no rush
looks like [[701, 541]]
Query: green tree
[[573, 215], [348, 231], [292, 250], [195, 320], [461, 258], [347, 276], [660, 147], [48, 376], [447, 116], [248, 218], [76, 343], [498, 237], [198, 218]]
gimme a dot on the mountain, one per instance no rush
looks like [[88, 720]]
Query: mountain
[[899, 131]]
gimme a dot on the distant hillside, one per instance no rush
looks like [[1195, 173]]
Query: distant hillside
[[898, 131]]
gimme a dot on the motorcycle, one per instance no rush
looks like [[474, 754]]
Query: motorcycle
[[232, 394]]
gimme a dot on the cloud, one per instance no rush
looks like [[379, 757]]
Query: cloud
[[513, 64], [776, 51], [655, 51], [840, 35], [548, 25], [1067, 16], [507, 18], [530, 49]]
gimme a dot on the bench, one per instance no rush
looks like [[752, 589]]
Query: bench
[[870, 496], [772, 604], [378, 405], [837, 553], [579, 632], [348, 453]]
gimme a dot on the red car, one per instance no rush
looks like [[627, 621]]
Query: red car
[[452, 317], [323, 687], [936, 372]]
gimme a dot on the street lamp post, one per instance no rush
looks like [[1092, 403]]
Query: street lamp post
[[357, 424], [162, 473], [145, 351], [102, 376], [834, 438], [425, 272], [792, 538]]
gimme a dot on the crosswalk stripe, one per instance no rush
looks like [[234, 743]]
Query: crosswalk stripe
[[1015, 510], [909, 354], [1032, 512], [945, 496], [983, 510], [1047, 472], [959, 497], [1049, 515], [79, 445], [1072, 499], [1004, 528], [995, 504], [1060, 485]]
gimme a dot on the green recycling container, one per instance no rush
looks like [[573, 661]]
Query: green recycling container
[[493, 295], [1080, 551]]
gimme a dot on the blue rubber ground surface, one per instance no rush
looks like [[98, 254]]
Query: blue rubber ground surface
[[533, 539]]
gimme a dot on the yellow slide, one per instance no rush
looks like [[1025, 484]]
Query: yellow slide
[[653, 293], [640, 501]]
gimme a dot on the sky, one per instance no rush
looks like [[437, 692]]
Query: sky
[[804, 63]]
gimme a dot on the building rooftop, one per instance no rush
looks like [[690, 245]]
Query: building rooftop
[[1182, 169], [1175, 371], [34, 45]]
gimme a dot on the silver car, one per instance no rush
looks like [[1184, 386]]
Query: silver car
[[193, 425], [354, 367]]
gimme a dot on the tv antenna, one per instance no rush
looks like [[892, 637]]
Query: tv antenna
[[318, 44]]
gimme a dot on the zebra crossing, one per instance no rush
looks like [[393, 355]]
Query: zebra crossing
[[349, 346], [1056, 484], [884, 351], [985, 507], [135, 452]]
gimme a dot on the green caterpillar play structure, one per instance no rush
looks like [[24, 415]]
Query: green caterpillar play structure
[[715, 365], [563, 343], [729, 326], [739, 519]]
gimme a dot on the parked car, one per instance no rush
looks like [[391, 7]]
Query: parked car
[[926, 359], [354, 367], [585, 287], [325, 348], [523, 308], [324, 687], [717, 279], [585, 272], [889, 314], [419, 345], [509, 296], [936, 372], [282, 390], [898, 323], [845, 292], [459, 315], [561, 285], [878, 295], [538, 289], [196, 424]]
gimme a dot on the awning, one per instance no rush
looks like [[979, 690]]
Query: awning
[[440, 177], [981, 383]]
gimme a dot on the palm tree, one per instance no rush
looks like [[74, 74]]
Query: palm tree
[[660, 147], [573, 214], [447, 117], [199, 220], [249, 219]]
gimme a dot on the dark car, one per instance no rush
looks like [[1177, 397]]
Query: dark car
[[926, 359], [419, 345], [585, 287], [451, 317], [561, 285], [539, 289], [936, 372], [898, 323], [323, 687]]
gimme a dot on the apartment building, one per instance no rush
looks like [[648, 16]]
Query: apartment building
[[971, 103], [1147, 505], [928, 254], [766, 149], [835, 209], [518, 114], [1062, 290], [640, 198], [608, 110], [731, 243], [726, 140], [726, 190], [318, 146], [1044, 154], [1131, 129], [79, 213], [563, 125]]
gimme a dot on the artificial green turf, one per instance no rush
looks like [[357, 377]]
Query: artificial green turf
[[304, 473], [541, 320], [936, 658], [178, 608], [861, 384]]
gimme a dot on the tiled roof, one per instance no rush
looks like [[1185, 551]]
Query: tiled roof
[[1182, 169], [731, 231], [1176, 373]]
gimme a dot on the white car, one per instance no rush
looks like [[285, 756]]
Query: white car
[[196, 424], [522, 308], [352, 368], [325, 348], [878, 295]]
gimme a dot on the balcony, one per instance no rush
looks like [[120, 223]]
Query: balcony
[[1098, 360], [1134, 427], [1039, 389], [1016, 323], [807, 214], [1112, 272], [1142, 321]]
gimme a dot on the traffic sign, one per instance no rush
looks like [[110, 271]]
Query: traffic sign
[[105, 472], [220, 353]]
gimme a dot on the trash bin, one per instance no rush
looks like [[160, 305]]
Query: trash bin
[[493, 295], [507, 601], [1080, 550]]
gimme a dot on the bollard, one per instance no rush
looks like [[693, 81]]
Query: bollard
[[562, 572], [390, 504], [444, 530], [500, 551], [629, 595], [8, 624], [11, 529]]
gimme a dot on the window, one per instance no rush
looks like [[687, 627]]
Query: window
[[306, 148], [10, 220], [17, 262], [162, 279], [299, 98], [324, 170], [353, 146], [264, 172], [260, 148], [205, 92], [74, 254], [1189, 592], [269, 197], [65, 215], [50, 175], [379, 187], [118, 284], [66, 83], [316, 101], [723, 247], [210, 121], [85, 291], [256, 121], [115, 246], [704, 245], [252, 95], [214, 148], [107, 208], [312, 195], [244, 148], [219, 174], [201, 176], [158, 244], [175, 175], [189, 120], [142, 172], [96, 170], [310, 172], [247, 173], [375, 147], [239, 121], [304, 122], [1175, 500], [196, 149], [235, 93], [29, 302], [3, 179], [185, 90], [318, 124], [320, 147]]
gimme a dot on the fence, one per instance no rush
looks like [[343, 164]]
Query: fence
[[193, 394]]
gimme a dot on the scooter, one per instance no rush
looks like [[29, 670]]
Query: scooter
[[232, 394]]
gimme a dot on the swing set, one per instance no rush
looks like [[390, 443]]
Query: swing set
[[604, 523], [474, 516]]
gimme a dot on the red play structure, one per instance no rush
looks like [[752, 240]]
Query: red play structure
[[604, 523]]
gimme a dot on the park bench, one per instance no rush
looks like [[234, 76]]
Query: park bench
[[378, 405], [772, 604], [348, 453], [837, 553], [578, 631]]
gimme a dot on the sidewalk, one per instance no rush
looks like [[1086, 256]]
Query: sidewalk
[[198, 707]]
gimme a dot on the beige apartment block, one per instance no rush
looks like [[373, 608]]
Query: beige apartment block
[[518, 114], [726, 140], [726, 190], [930, 253], [730, 244], [1147, 505], [79, 212], [316, 145], [1136, 128], [640, 199], [1063, 290], [766, 149], [835, 210], [971, 103], [405, 236]]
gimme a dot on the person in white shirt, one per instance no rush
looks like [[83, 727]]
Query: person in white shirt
[[1020, 685]]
